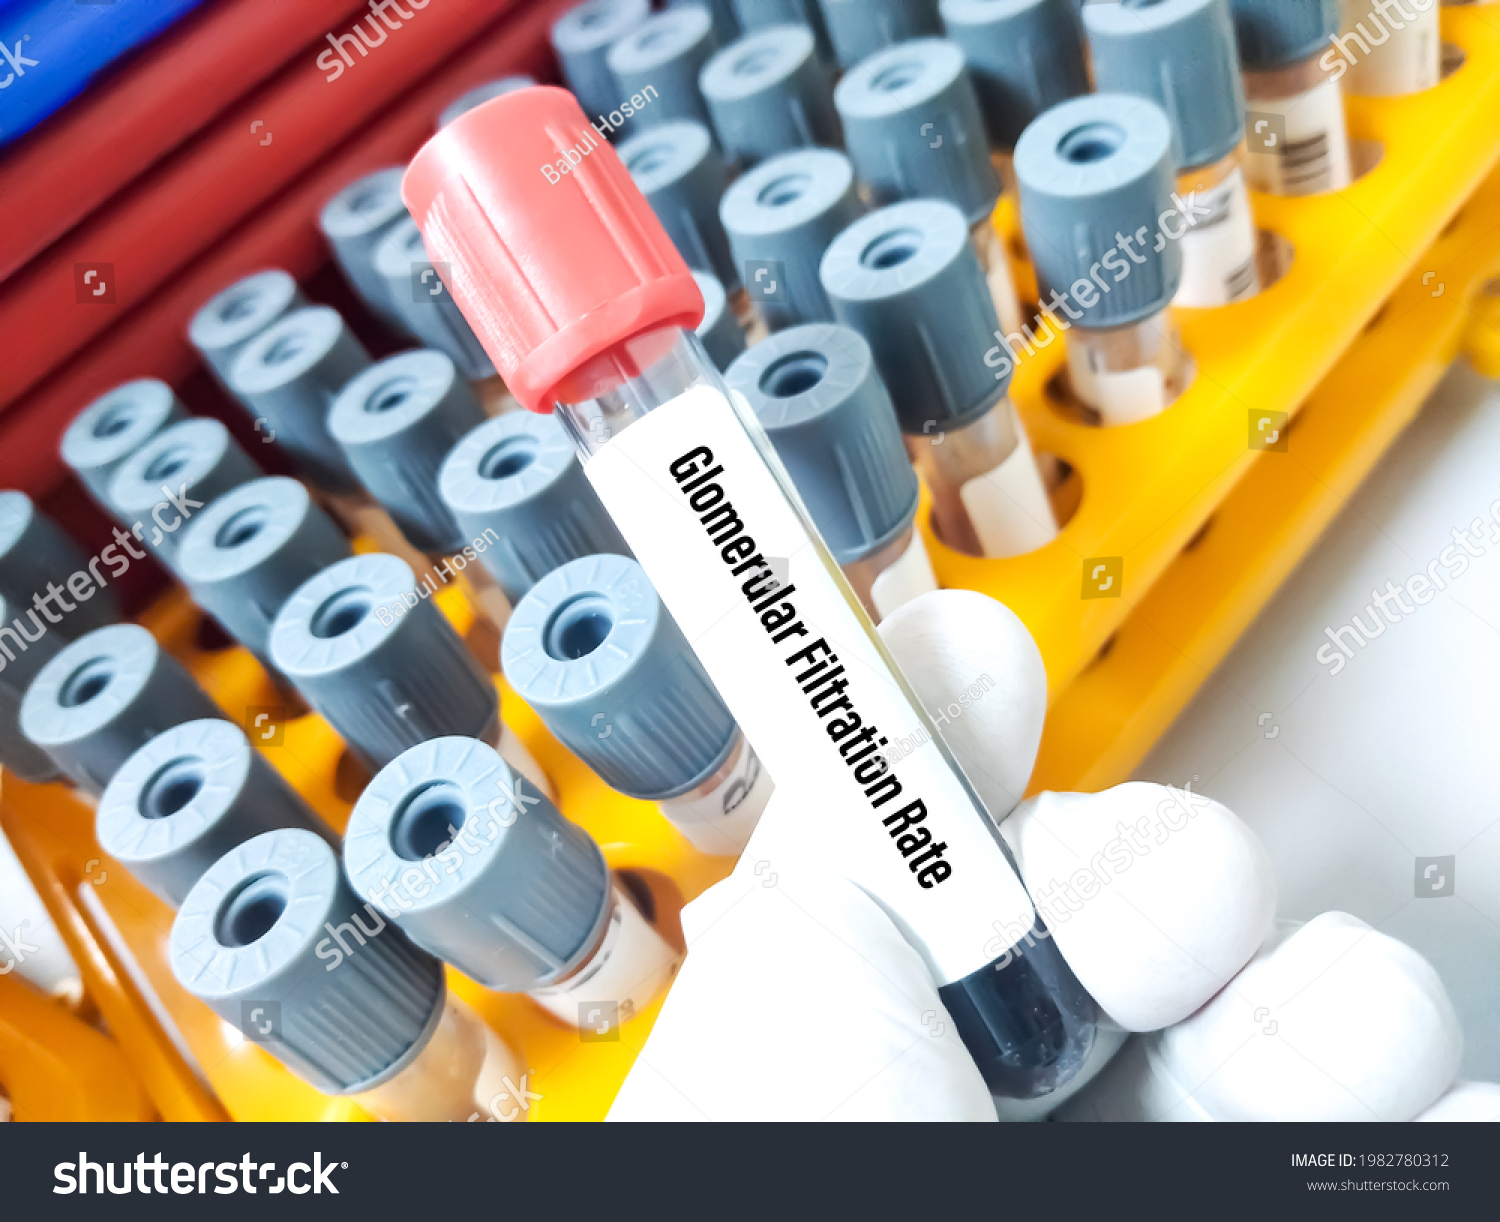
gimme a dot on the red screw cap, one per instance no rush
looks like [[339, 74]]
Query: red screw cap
[[545, 242]]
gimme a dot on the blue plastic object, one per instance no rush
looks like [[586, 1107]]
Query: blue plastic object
[[52, 49]]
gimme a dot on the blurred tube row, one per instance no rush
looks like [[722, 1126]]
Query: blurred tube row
[[830, 169]]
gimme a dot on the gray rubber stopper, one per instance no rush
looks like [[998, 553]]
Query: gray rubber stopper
[[104, 697], [768, 94], [35, 554], [592, 646], [1181, 54], [481, 94], [522, 895], [1092, 170], [757, 14], [726, 20], [355, 222], [113, 427], [229, 320], [247, 553], [20, 660], [660, 60], [908, 280], [681, 174], [1024, 56], [780, 218], [420, 296], [179, 472], [397, 421], [515, 485], [288, 376], [817, 393], [189, 796], [723, 337], [582, 38], [913, 130], [1275, 33], [259, 939], [370, 652], [859, 28]]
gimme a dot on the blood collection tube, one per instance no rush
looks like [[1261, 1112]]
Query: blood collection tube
[[46, 578], [355, 222], [287, 378], [396, 422], [157, 490], [817, 393], [591, 645], [416, 291], [1096, 178], [243, 556], [860, 28], [481, 94], [451, 848], [780, 218], [230, 319], [20, 660], [113, 427], [1389, 53], [371, 653], [103, 697], [1295, 137], [757, 14], [1181, 54], [189, 796], [907, 279], [598, 322], [681, 174], [913, 130], [582, 37], [515, 487], [1024, 56], [657, 64], [768, 94], [723, 337], [260, 938]]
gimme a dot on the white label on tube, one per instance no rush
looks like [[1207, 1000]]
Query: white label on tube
[[1407, 60], [721, 822], [910, 577], [629, 971], [1218, 252], [1121, 397], [1008, 506], [1312, 152], [806, 677]]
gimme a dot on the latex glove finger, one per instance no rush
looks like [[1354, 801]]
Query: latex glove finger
[[1332, 1021], [1467, 1101], [1156, 896], [799, 1000], [828, 1010]]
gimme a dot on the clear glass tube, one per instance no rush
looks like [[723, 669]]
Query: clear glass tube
[[1295, 137], [992, 258], [627, 968], [718, 815], [988, 497], [1129, 373], [892, 575], [464, 1072], [1022, 1014], [1220, 245]]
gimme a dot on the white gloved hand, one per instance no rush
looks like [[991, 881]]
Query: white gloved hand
[[800, 1000]]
